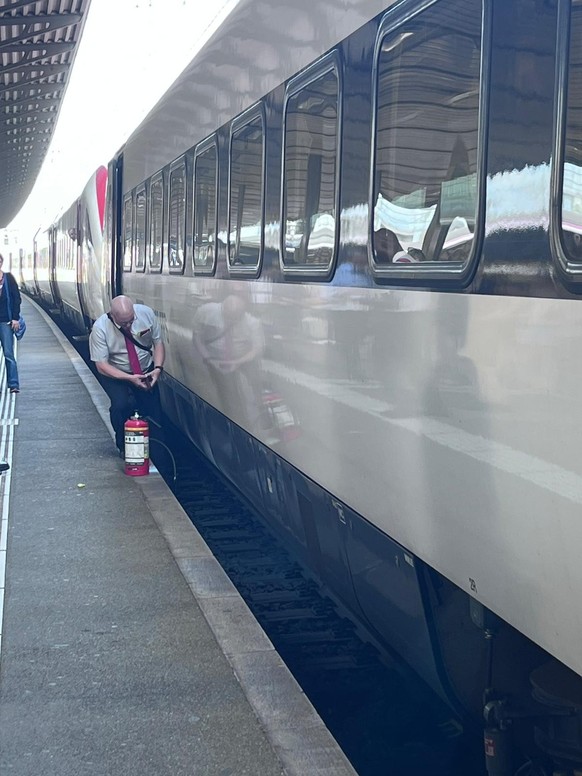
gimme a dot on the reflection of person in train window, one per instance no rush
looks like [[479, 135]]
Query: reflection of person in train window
[[231, 343], [172, 252], [242, 335]]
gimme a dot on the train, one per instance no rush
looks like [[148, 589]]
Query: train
[[360, 227]]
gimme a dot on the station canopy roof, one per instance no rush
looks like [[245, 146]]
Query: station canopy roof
[[38, 43]]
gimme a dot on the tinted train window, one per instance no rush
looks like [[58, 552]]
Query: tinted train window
[[310, 174], [205, 210], [140, 230], [127, 233], [177, 219], [245, 216], [156, 223], [425, 146], [572, 156]]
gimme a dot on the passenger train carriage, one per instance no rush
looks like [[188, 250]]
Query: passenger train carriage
[[360, 226], [64, 268]]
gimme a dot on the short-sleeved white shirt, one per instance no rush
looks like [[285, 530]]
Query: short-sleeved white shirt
[[107, 343]]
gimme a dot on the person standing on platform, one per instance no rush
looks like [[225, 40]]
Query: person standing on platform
[[9, 315], [126, 346]]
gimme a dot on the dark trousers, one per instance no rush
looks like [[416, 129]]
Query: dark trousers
[[125, 400]]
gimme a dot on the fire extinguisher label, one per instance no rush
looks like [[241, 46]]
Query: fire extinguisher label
[[136, 448]]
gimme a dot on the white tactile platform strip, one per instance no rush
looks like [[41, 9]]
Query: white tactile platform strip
[[8, 422]]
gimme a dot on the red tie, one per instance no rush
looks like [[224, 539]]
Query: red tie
[[134, 364]]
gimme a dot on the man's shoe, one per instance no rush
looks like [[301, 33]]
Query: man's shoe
[[15, 390], [4, 467]]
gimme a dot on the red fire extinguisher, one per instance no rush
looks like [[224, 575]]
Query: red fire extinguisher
[[137, 446]]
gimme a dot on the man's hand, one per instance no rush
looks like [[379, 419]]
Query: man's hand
[[141, 381], [15, 325], [154, 376]]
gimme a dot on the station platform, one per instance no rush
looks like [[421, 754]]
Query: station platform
[[125, 649]]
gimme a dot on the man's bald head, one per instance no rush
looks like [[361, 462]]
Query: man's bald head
[[122, 311]]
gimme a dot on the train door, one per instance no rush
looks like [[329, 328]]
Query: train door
[[81, 262], [111, 283], [54, 249]]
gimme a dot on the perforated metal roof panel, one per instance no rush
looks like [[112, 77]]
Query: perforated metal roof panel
[[38, 42]]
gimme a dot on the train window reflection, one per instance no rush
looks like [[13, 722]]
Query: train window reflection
[[177, 219], [156, 224], [426, 140], [205, 210], [310, 172], [572, 164], [245, 215], [140, 230], [127, 233]]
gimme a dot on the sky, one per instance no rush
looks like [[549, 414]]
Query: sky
[[130, 53]]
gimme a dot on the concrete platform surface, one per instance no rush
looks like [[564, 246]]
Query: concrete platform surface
[[125, 649]]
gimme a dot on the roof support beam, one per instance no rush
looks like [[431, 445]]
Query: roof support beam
[[13, 150], [42, 71], [35, 63], [18, 119], [26, 20], [17, 159], [13, 119], [50, 49], [14, 6], [52, 22], [25, 83], [40, 96]]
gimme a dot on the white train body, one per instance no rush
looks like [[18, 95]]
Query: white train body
[[397, 416]]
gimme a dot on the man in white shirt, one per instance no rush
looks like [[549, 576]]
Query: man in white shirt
[[126, 346]]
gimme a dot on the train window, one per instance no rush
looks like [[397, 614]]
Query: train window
[[571, 195], [245, 212], [426, 155], [156, 224], [205, 211], [177, 218], [140, 231], [127, 232], [310, 173]]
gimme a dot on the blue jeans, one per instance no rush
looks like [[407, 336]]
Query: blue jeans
[[7, 342]]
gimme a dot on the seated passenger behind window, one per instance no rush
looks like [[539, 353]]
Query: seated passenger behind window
[[458, 253], [458, 241], [572, 244], [386, 246], [404, 257]]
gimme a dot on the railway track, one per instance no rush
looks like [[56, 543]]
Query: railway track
[[384, 717]]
